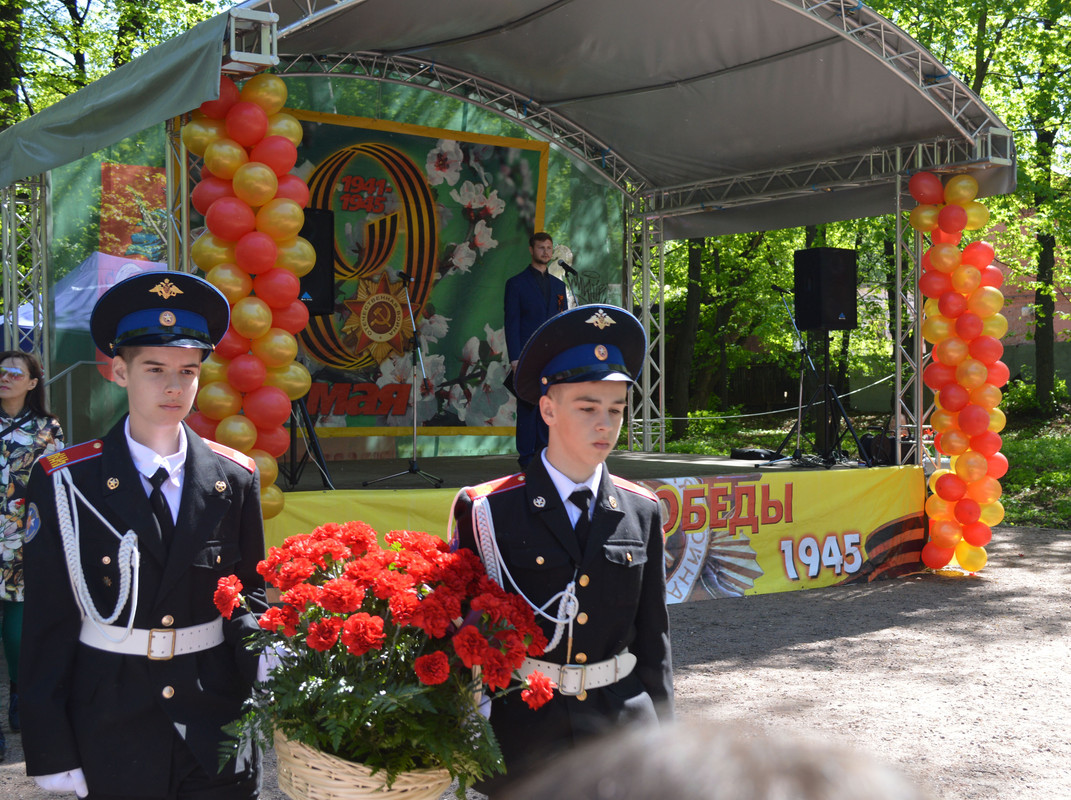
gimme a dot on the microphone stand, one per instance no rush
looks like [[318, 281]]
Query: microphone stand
[[418, 359]]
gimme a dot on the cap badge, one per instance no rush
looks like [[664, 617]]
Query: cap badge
[[167, 319], [166, 289], [601, 352], [600, 319]]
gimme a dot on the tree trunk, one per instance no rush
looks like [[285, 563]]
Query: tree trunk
[[680, 368], [1044, 331], [10, 38]]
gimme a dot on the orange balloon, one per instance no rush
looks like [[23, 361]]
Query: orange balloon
[[296, 255], [995, 325], [954, 442], [224, 156], [200, 132], [268, 466], [267, 91], [938, 508], [951, 351], [213, 368], [281, 218], [209, 251], [237, 431], [942, 421], [923, 218], [218, 400], [251, 317], [945, 257], [971, 466], [272, 501], [961, 189], [965, 278], [971, 373], [988, 397], [276, 348], [985, 490], [971, 558], [294, 379], [945, 532], [283, 124], [235, 283], [985, 301], [255, 183]]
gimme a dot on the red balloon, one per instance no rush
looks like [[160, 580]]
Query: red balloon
[[997, 465], [967, 511], [268, 407], [278, 288], [938, 236], [934, 284], [968, 325], [232, 344], [992, 276], [977, 534], [277, 152], [228, 96], [255, 252], [292, 319], [203, 426], [246, 372], [950, 487], [926, 188], [973, 420], [230, 218], [209, 190], [952, 218], [293, 188], [936, 557], [987, 443], [953, 397], [998, 373], [986, 349], [938, 375], [952, 304], [978, 254], [273, 441], [246, 123]]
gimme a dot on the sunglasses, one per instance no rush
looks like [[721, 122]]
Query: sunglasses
[[12, 372]]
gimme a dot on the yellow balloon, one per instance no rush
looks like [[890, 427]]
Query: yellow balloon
[[272, 501], [936, 329], [971, 373], [938, 508], [218, 400], [296, 255], [200, 132], [945, 257], [965, 278], [987, 396], [210, 251], [931, 308], [961, 189], [251, 318], [997, 420], [294, 379], [255, 183], [977, 216], [213, 369], [985, 301], [971, 558], [923, 218], [942, 421], [285, 125], [237, 431], [995, 325], [224, 156], [266, 90], [233, 281], [281, 218], [276, 348], [268, 466], [971, 466], [992, 513]]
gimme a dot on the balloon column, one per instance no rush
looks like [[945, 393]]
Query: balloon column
[[963, 323], [251, 251]]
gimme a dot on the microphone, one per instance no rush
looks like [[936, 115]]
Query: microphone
[[568, 268], [777, 288], [407, 276]]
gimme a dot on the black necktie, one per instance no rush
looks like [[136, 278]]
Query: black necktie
[[160, 507], [580, 498]]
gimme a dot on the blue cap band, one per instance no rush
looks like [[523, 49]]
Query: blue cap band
[[147, 322], [583, 362]]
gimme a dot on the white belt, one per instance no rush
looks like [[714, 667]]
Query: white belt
[[157, 644], [573, 679]]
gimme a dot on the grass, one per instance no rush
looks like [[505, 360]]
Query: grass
[[1037, 488]]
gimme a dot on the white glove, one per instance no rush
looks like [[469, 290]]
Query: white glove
[[268, 661], [73, 780]]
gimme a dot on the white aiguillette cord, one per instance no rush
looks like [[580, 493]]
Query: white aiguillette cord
[[128, 558]]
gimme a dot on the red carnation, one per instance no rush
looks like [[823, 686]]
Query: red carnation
[[341, 596], [362, 632], [496, 672], [403, 606], [293, 572], [228, 595], [302, 596], [540, 690], [433, 668], [470, 646], [285, 617], [323, 634]]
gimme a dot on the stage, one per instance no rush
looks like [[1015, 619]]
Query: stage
[[733, 527]]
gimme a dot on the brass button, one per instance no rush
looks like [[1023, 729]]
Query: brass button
[[219, 559], [540, 559], [168, 692], [582, 696], [167, 621], [581, 658], [582, 618], [628, 557], [584, 580], [106, 560], [613, 502]]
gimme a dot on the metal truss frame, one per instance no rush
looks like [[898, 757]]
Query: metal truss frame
[[24, 233]]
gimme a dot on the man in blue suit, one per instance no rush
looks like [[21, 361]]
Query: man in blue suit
[[532, 297]]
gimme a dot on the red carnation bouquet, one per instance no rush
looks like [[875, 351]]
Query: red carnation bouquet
[[384, 652]]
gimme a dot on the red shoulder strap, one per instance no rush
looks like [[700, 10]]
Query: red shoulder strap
[[237, 456], [71, 455]]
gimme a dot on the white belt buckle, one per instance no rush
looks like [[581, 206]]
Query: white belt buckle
[[165, 652], [576, 669]]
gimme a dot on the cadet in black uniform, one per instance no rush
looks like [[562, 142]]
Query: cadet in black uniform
[[129, 672], [601, 585]]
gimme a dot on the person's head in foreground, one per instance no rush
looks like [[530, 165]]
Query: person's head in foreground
[[577, 367]]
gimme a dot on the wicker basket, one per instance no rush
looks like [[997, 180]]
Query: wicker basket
[[308, 774]]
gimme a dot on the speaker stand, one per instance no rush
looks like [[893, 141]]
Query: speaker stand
[[299, 416]]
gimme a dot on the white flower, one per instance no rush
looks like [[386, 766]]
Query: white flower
[[494, 205], [463, 257], [433, 328], [444, 163], [470, 196], [496, 337], [482, 238]]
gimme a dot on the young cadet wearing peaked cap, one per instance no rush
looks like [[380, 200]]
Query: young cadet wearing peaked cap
[[596, 578], [129, 671]]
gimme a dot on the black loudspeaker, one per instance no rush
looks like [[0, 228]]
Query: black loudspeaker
[[825, 284], [318, 285]]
